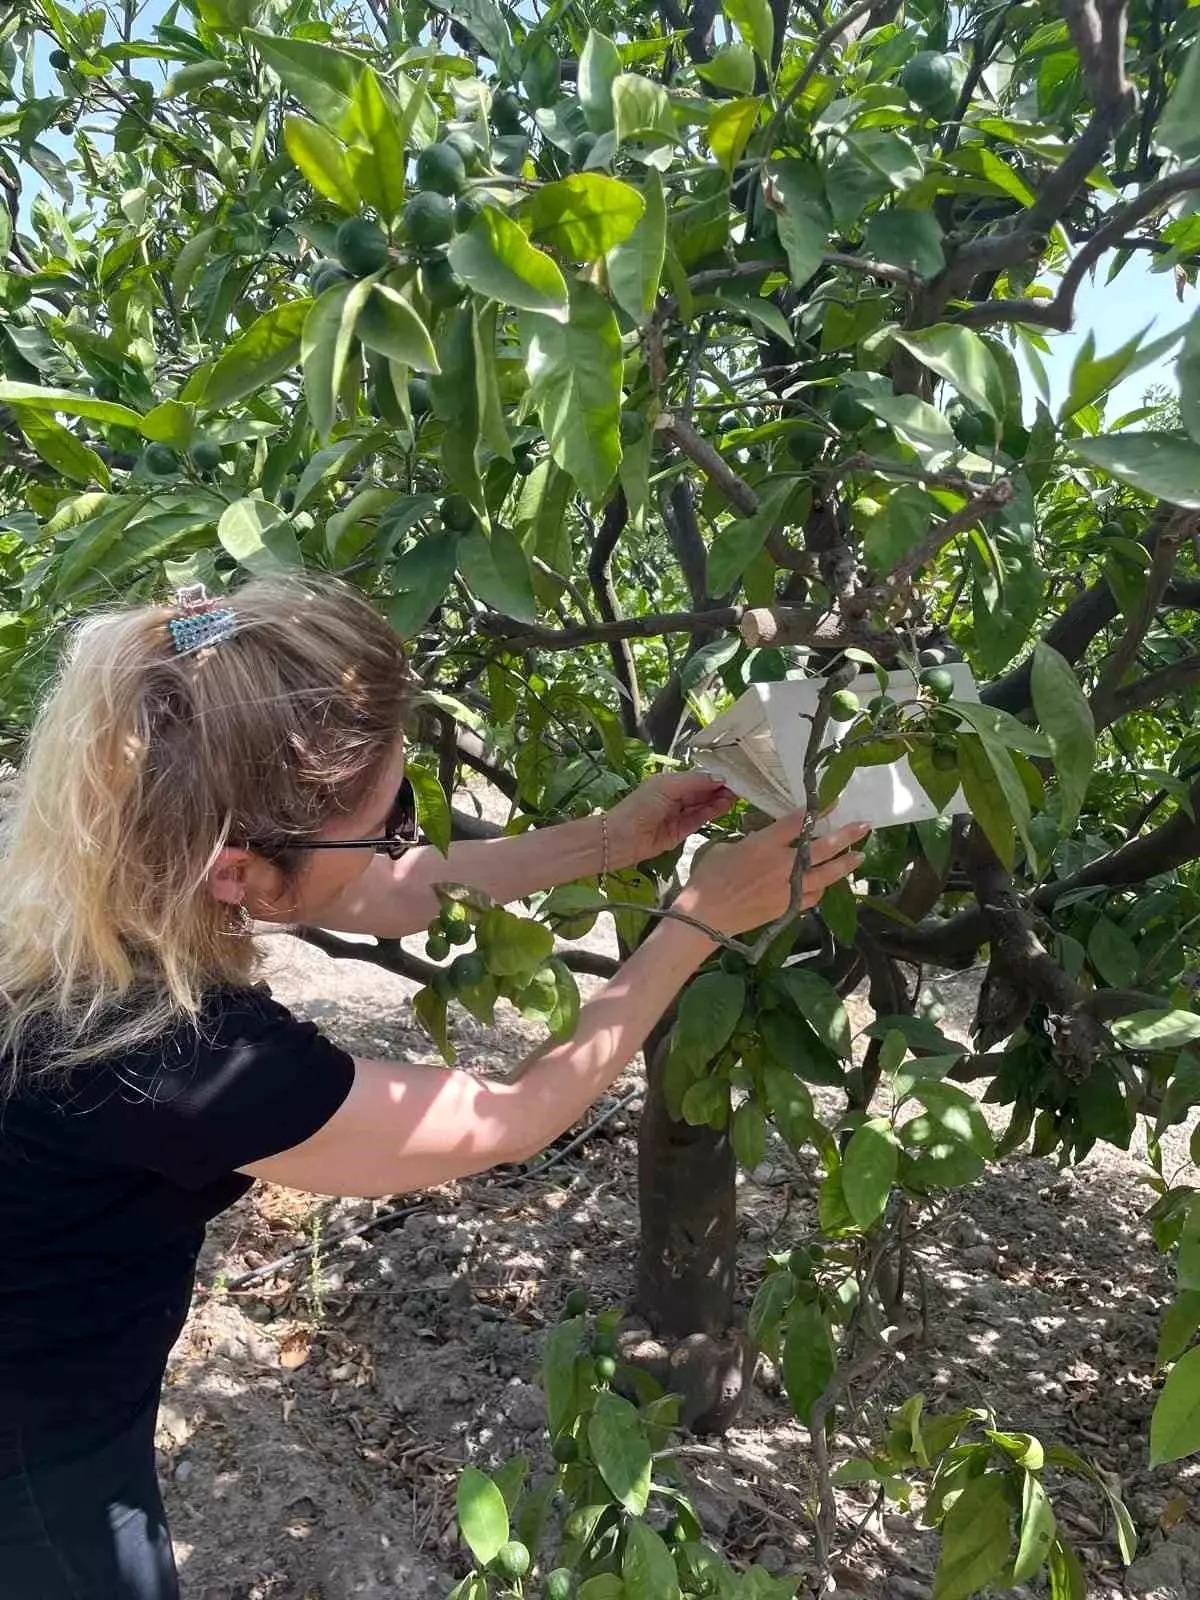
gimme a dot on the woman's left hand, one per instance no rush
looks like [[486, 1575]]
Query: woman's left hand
[[661, 813]]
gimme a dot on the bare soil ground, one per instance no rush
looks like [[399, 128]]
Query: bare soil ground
[[314, 1424]]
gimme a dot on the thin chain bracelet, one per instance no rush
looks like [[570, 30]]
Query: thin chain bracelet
[[605, 859]]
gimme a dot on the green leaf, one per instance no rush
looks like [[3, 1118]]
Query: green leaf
[[325, 80], [267, 349], [635, 265], [322, 160], [1179, 1324], [59, 448], [574, 369], [706, 1103], [1066, 717], [1178, 128], [1092, 378], [621, 1451], [641, 111], [258, 536], [755, 24], [987, 800], [515, 947], [389, 324], [1165, 465], [976, 1539], [839, 912], [869, 1168], [793, 1044], [382, 132], [950, 1112], [325, 345], [648, 1567], [418, 580], [775, 1294], [1175, 1423], [32, 397], [738, 542], [901, 525], [494, 258], [909, 239], [916, 421], [190, 259], [485, 20], [819, 1003], [707, 1014], [1068, 1580], [482, 1515], [1037, 1529], [961, 357], [433, 808], [599, 66], [732, 67], [1188, 369], [171, 423], [584, 215], [802, 224], [808, 1360], [748, 1133], [1157, 1030], [791, 1104], [1112, 953], [563, 1346], [729, 130], [496, 570]]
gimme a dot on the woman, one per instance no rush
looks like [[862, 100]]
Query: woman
[[193, 769]]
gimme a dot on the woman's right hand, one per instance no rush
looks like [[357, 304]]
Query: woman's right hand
[[739, 886]]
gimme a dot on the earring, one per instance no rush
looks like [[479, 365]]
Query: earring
[[243, 923]]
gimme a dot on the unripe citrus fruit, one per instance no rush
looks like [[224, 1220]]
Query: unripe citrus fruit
[[427, 220], [512, 1560], [928, 79], [843, 706], [441, 169], [361, 247]]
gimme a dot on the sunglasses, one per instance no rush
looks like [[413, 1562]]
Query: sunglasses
[[400, 832]]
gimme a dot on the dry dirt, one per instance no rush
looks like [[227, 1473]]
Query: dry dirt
[[313, 1425]]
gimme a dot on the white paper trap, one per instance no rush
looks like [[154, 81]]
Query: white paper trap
[[758, 747]]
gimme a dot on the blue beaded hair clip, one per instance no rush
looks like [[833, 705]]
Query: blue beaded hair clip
[[201, 621]]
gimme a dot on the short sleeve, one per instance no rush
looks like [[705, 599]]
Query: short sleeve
[[246, 1082]]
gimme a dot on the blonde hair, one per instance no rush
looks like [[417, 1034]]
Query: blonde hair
[[142, 765]]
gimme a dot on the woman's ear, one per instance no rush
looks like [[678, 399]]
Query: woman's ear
[[228, 876]]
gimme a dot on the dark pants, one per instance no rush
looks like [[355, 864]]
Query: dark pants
[[92, 1528]]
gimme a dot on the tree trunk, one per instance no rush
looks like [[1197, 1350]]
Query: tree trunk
[[688, 1257]]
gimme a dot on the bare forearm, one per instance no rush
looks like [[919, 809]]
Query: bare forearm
[[556, 1085], [394, 898]]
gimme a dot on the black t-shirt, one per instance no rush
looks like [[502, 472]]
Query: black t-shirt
[[107, 1180]]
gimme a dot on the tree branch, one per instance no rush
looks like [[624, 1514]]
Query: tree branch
[[612, 526], [1166, 550], [825, 42], [1147, 691], [981, 505]]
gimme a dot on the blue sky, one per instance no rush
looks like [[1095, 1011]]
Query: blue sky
[[1112, 312]]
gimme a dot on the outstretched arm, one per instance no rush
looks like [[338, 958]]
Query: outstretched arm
[[394, 898]]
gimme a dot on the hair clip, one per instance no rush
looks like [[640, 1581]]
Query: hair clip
[[201, 621]]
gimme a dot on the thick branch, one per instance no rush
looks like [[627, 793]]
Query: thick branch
[[1059, 313], [1148, 691], [536, 636]]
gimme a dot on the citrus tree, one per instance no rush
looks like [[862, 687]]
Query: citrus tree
[[627, 357]]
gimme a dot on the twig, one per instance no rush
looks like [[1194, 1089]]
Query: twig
[[612, 526], [1162, 560], [991, 499], [820, 50]]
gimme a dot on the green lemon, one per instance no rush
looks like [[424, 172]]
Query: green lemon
[[512, 1560], [206, 455], [1112, 530], [441, 285], [459, 139], [576, 1302], [458, 932], [565, 1450], [466, 210], [361, 247], [467, 971], [944, 755], [560, 1585], [108, 389], [848, 412], [458, 514], [801, 1262], [524, 464], [968, 427], [454, 911], [325, 276], [939, 682], [804, 445], [633, 427], [278, 216], [843, 706], [427, 220], [437, 947], [60, 60], [928, 79], [160, 461], [418, 398], [441, 169], [605, 1368], [506, 112]]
